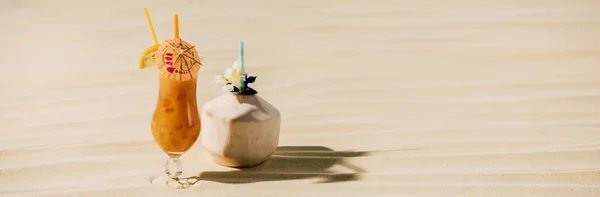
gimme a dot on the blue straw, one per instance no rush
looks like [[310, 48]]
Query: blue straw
[[242, 64], [242, 55]]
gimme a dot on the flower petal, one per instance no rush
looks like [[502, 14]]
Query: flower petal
[[237, 64], [235, 76], [228, 88], [228, 73]]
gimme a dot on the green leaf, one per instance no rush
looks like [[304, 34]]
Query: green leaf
[[251, 79]]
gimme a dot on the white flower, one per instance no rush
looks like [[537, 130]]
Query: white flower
[[232, 75]]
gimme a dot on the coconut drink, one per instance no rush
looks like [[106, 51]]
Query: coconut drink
[[239, 128]]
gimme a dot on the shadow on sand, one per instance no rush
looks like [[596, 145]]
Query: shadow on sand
[[292, 162]]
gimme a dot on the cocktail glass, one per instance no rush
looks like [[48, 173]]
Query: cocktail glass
[[176, 121]]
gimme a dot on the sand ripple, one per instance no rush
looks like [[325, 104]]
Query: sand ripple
[[379, 98]]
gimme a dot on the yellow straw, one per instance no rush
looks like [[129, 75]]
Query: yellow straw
[[176, 27], [151, 27]]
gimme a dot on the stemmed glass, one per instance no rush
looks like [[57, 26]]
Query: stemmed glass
[[175, 123]]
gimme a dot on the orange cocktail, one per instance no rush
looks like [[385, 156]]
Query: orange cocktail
[[176, 123]]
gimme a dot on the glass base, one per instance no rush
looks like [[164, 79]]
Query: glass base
[[167, 182], [173, 179]]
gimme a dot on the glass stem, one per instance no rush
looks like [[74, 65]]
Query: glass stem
[[173, 168]]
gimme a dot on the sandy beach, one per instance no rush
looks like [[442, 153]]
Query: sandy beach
[[378, 98]]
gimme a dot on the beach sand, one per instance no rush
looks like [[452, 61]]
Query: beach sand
[[378, 98]]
